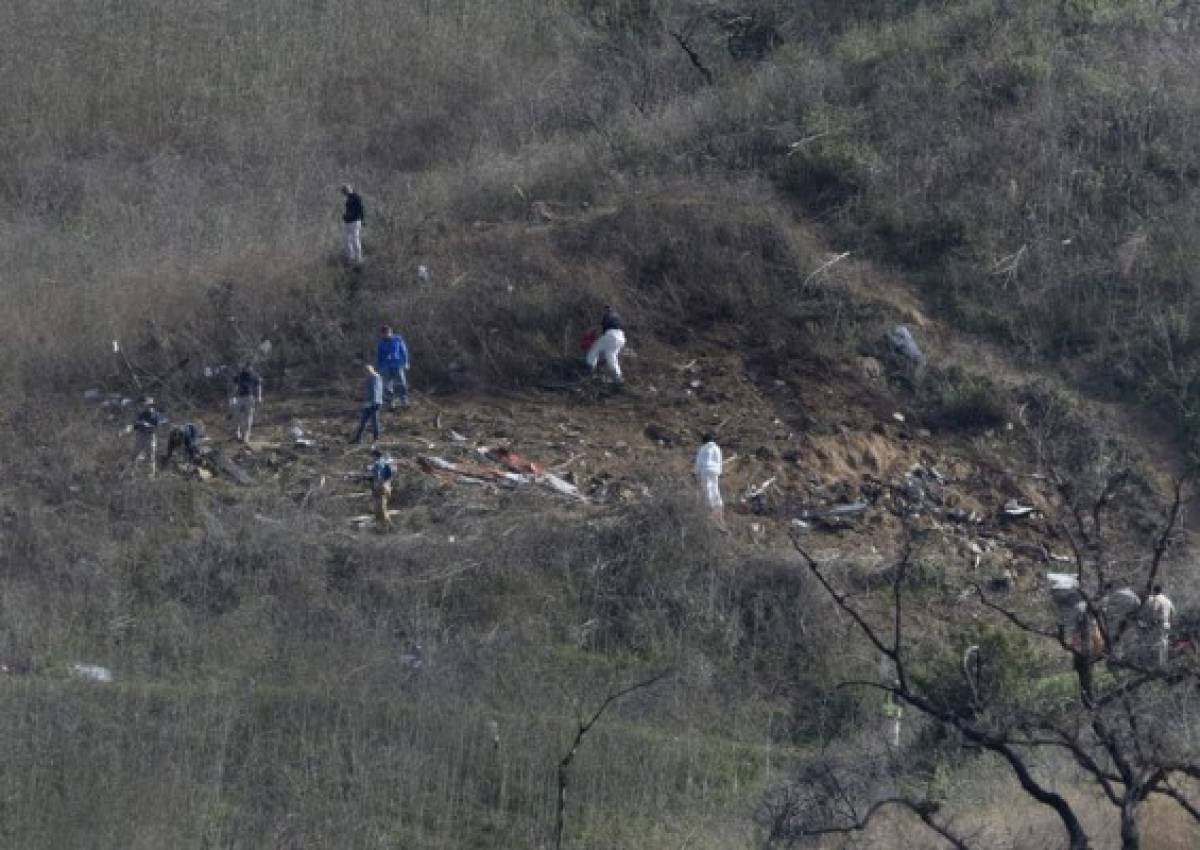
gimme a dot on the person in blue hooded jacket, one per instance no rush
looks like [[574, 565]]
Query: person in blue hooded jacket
[[392, 362]]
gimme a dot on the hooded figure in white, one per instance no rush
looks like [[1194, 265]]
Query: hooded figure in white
[[608, 345], [708, 469]]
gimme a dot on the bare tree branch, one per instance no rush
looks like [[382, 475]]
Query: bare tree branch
[[682, 39], [1164, 540], [1077, 836], [582, 730], [1173, 793], [924, 809]]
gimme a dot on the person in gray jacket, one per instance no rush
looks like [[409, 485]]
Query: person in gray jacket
[[374, 401]]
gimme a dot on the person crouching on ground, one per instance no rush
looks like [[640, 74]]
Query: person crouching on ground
[[392, 362], [380, 474], [374, 401], [709, 465], [247, 388], [608, 345]]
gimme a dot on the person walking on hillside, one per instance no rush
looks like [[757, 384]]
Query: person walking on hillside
[[352, 222], [392, 362], [608, 345], [145, 434], [380, 473], [708, 467], [247, 396], [1155, 621], [374, 401]]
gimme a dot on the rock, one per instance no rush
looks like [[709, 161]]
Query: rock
[[91, 673], [902, 343], [871, 369], [663, 436]]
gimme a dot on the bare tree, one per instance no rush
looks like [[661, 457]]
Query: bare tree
[[1124, 727], [584, 726]]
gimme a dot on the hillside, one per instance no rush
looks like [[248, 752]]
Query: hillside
[[765, 190]]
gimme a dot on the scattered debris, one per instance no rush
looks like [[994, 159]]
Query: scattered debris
[[223, 464], [513, 462], [757, 492]]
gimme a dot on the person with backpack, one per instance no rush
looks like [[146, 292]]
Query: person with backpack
[[608, 345], [391, 358], [374, 401], [247, 396], [352, 222], [380, 474]]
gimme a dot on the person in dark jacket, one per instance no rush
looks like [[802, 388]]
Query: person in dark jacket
[[186, 438], [247, 396], [374, 401], [392, 361], [608, 345], [352, 222], [145, 434]]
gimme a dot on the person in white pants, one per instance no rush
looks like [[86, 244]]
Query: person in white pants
[[1155, 619], [608, 345], [708, 470], [352, 221]]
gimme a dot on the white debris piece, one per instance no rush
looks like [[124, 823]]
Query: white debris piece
[[755, 492], [1014, 508]]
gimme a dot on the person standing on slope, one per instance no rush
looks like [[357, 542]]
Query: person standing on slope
[[352, 222], [1155, 619], [708, 468], [608, 345], [145, 434], [392, 362], [380, 473], [247, 389], [374, 401]]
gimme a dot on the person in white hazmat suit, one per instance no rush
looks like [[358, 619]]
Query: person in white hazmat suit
[[1155, 622], [709, 464], [608, 345]]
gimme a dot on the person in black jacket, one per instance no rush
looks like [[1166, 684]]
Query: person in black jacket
[[145, 433], [352, 221]]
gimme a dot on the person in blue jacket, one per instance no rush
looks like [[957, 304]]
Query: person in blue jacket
[[392, 362]]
